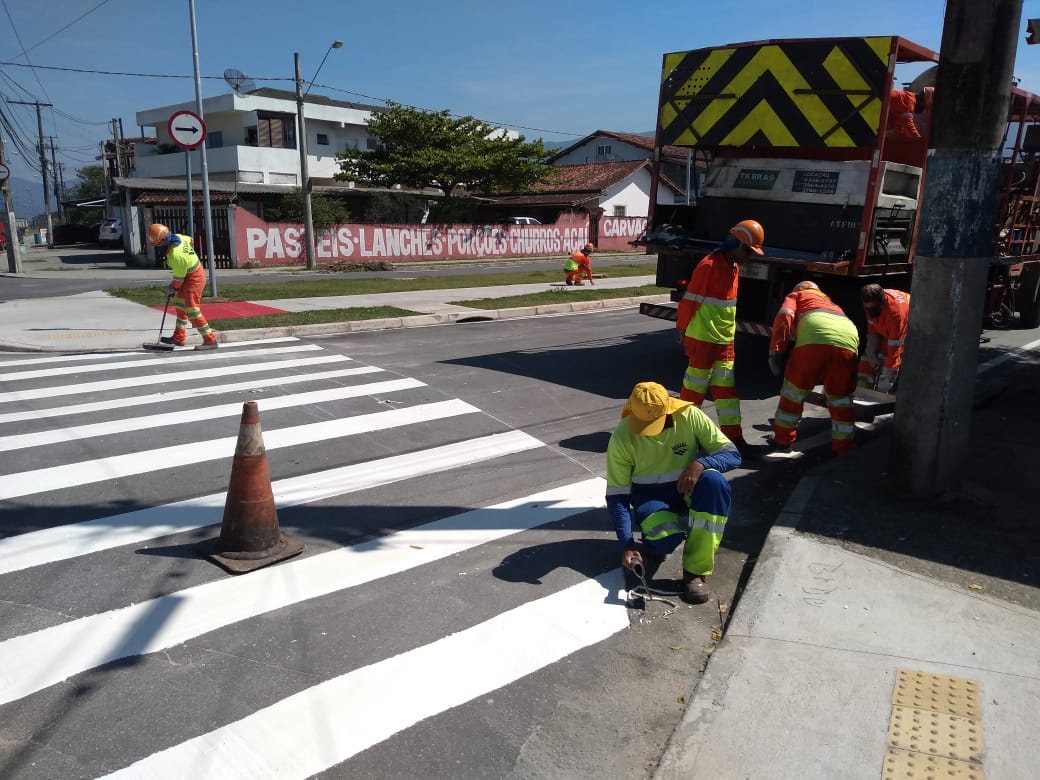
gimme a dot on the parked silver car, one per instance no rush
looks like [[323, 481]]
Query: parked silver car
[[111, 231]]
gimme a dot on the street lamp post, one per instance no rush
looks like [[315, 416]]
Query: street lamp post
[[305, 179]]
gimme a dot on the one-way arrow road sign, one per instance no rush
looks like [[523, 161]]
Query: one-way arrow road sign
[[186, 129]]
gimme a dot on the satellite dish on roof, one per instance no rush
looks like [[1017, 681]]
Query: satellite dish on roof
[[239, 81]]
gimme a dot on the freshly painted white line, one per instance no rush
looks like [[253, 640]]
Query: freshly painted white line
[[179, 376], [1011, 353], [198, 413], [63, 542], [205, 357], [196, 391], [32, 662], [68, 475], [99, 356], [328, 723]]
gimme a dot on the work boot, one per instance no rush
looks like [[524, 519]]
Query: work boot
[[210, 343], [747, 450], [171, 340], [777, 447], [695, 588]]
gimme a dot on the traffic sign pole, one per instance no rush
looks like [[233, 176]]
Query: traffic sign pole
[[14, 262], [188, 130]]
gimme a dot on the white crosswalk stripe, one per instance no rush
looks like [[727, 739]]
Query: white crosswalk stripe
[[107, 490]]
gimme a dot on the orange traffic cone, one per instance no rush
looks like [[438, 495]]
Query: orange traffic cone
[[249, 533]]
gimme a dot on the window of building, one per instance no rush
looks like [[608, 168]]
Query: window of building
[[371, 144], [323, 139], [603, 150], [215, 139], [277, 131], [619, 211]]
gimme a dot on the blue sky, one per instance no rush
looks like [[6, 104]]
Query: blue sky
[[555, 70]]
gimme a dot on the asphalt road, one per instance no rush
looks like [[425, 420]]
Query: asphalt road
[[606, 710]]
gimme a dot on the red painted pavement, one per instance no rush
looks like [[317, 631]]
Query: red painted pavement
[[231, 310]]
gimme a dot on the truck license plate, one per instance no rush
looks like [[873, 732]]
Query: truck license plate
[[754, 270]]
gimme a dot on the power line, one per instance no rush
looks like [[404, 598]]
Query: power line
[[19, 39], [128, 73], [276, 78], [63, 29]]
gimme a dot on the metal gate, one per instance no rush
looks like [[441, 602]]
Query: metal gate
[[176, 219]]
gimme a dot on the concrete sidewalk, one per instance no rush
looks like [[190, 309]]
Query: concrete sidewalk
[[96, 321], [858, 585]]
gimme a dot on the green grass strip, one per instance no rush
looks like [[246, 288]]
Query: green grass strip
[[314, 317], [559, 296], [320, 287]]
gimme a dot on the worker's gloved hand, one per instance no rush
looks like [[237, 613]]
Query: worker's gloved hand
[[872, 352], [886, 381], [631, 557], [171, 289], [777, 360]]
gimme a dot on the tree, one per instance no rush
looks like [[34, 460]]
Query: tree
[[420, 149], [90, 183], [325, 212]]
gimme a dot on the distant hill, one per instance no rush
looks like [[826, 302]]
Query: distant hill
[[27, 196]]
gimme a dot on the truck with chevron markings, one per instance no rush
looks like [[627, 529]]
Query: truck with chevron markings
[[794, 134]]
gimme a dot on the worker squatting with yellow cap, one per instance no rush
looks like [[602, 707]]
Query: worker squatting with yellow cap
[[189, 280], [665, 461]]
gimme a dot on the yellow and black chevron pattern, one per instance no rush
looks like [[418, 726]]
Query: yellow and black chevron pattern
[[820, 92]]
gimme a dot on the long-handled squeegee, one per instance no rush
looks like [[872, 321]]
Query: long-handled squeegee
[[158, 346]]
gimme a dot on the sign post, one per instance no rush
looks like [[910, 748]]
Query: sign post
[[14, 265], [188, 131]]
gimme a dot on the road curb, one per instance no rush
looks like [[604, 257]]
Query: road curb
[[427, 320]]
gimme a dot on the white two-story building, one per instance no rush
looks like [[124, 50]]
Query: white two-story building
[[252, 153]]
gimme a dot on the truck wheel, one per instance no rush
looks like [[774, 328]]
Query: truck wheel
[[1029, 314]]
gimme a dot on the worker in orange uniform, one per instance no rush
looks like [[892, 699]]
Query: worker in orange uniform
[[826, 349], [888, 313], [189, 280], [906, 110], [707, 323], [578, 264]]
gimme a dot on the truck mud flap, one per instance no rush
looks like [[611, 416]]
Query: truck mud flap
[[658, 311], [754, 328]]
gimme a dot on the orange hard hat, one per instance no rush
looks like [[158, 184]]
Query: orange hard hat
[[157, 233], [750, 234]]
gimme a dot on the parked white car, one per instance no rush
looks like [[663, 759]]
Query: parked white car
[[522, 221], [111, 231]]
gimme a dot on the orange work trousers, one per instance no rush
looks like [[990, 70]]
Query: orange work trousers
[[808, 366]]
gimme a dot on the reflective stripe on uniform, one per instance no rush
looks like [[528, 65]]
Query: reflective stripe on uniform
[[660, 524], [711, 523], [657, 479]]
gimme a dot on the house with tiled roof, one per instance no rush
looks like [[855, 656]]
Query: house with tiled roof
[[604, 173], [609, 146]]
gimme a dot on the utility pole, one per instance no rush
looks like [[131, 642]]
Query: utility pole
[[43, 166], [954, 245], [305, 179], [14, 262], [54, 174]]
